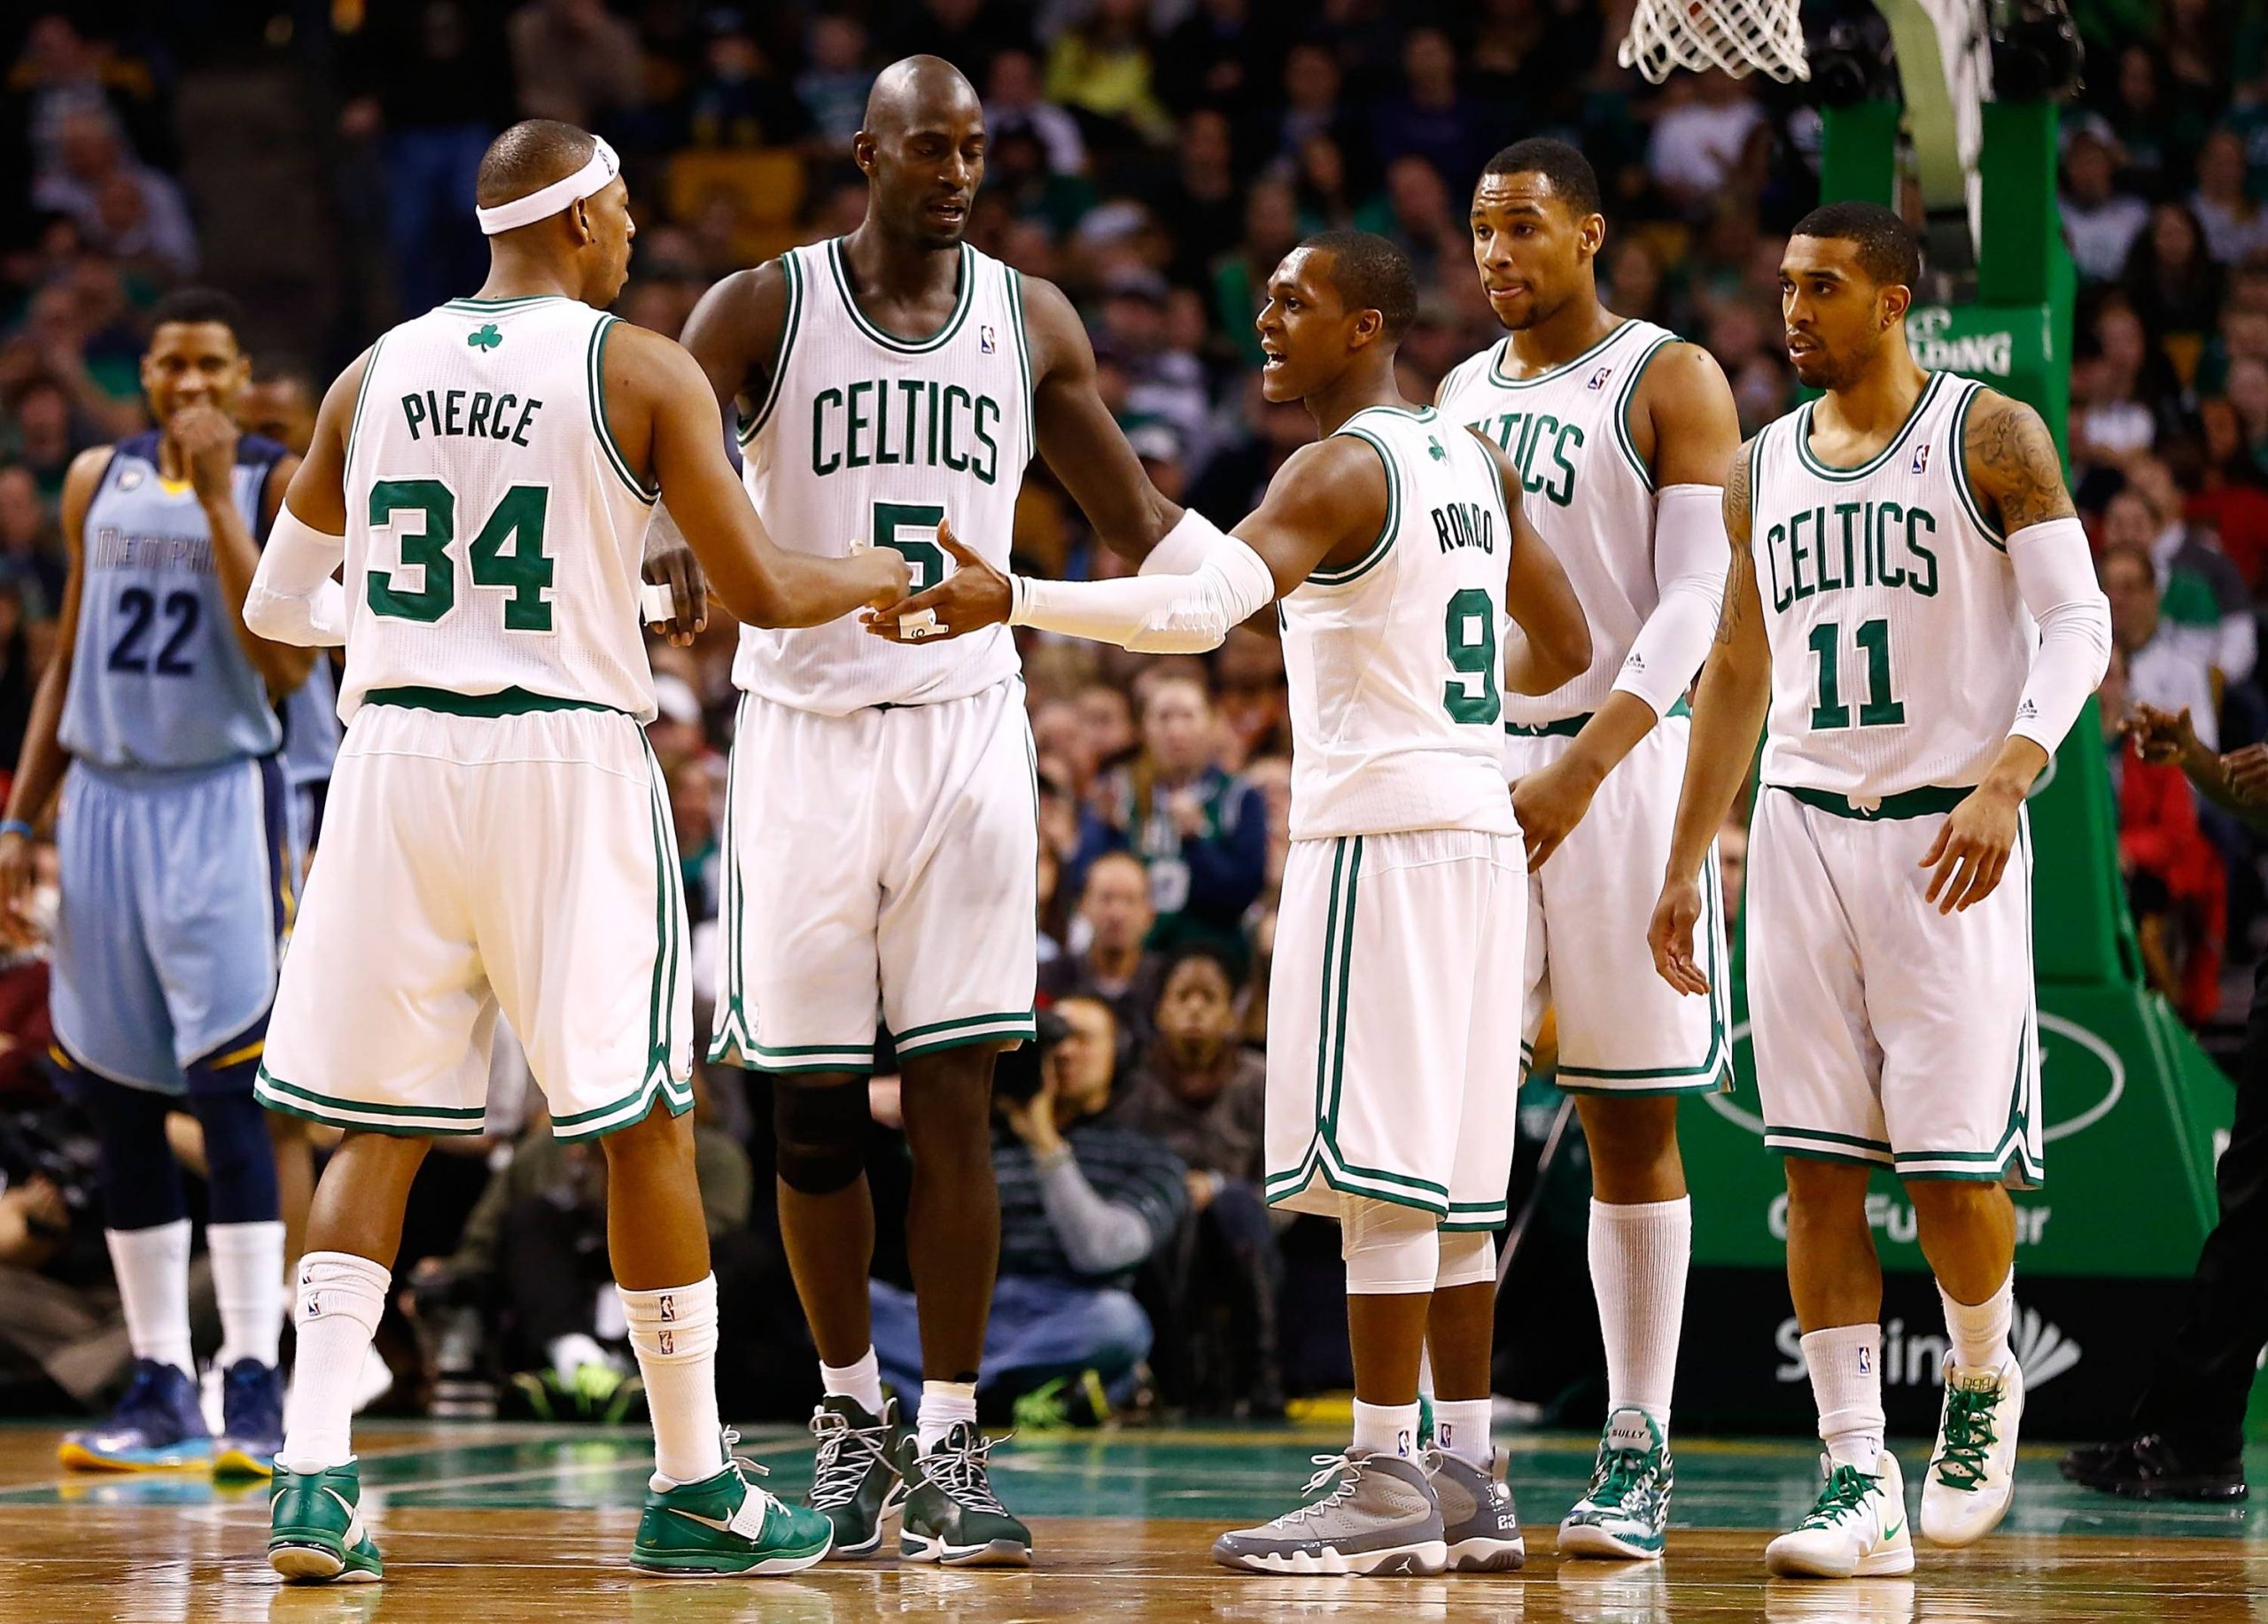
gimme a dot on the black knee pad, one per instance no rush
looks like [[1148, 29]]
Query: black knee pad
[[821, 1134]]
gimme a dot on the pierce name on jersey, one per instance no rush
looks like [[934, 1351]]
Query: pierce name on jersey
[[495, 532], [1899, 642], [1393, 660], [866, 437], [1589, 494]]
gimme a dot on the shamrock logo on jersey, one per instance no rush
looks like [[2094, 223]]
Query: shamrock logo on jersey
[[1434, 445], [487, 338]]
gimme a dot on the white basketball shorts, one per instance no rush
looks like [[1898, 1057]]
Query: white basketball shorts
[[472, 862], [1885, 1031], [1390, 1019]]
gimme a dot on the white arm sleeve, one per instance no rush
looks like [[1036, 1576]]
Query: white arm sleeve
[[1182, 549], [1152, 614], [1691, 553], [293, 599], [2056, 578]]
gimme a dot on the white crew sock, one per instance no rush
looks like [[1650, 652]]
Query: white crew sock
[[860, 1381], [342, 1298], [248, 1283], [1638, 1256], [1461, 1428], [673, 1331], [1980, 1331], [1387, 1429], [1846, 1366], [152, 1269], [943, 1403]]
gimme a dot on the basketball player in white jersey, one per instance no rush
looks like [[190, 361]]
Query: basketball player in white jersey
[[880, 851], [498, 836], [1621, 432], [1396, 546], [1912, 618]]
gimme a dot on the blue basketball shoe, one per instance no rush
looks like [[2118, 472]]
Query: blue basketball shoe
[[251, 1425], [156, 1427]]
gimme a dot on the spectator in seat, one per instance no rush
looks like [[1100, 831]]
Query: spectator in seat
[[1107, 962], [2167, 666], [2101, 221], [1083, 1204], [2175, 883], [95, 158], [2197, 584], [2235, 227], [833, 86], [576, 61], [1200, 1091]]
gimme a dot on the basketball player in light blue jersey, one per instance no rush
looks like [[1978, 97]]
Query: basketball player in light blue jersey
[[177, 876]]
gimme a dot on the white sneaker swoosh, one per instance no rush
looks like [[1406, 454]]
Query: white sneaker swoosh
[[718, 1524]]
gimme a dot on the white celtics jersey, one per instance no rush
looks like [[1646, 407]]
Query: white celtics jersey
[[493, 531], [868, 438], [1589, 495], [1394, 661], [1900, 645]]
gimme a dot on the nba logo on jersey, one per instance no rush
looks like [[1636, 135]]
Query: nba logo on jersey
[[1599, 378], [1920, 459], [1866, 1360], [984, 340]]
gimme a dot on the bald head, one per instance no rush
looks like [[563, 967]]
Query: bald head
[[529, 157], [917, 90]]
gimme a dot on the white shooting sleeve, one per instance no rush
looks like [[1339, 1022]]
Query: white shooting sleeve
[[1691, 552], [1152, 613], [1184, 548], [294, 598], [2056, 578]]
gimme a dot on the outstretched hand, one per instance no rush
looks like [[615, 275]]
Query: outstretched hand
[[973, 597]]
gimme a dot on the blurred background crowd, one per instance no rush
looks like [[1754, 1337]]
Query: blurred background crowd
[[1155, 157]]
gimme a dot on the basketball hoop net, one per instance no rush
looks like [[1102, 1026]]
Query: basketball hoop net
[[1738, 36]]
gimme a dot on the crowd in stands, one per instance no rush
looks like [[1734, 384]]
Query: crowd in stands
[[1155, 157]]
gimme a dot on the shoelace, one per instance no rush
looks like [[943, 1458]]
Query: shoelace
[[1344, 1467], [1969, 1414], [846, 1454], [1845, 1490], [1618, 1475], [960, 1470]]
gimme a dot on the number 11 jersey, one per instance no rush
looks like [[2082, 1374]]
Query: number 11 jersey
[[869, 438], [1899, 644]]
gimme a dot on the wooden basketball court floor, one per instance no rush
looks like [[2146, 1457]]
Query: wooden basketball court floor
[[496, 1524]]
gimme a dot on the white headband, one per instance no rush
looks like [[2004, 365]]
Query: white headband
[[592, 176]]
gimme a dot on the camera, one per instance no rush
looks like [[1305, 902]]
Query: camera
[[1017, 1074]]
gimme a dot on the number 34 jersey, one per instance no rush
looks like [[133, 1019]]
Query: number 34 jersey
[[869, 438], [1900, 645], [495, 532], [1394, 660]]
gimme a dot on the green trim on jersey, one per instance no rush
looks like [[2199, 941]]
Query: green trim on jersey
[[734, 1037], [1014, 1025], [1568, 726], [401, 1121], [1968, 502], [754, 426], [504, 702], [1380, 548], [1908, 804], [1016, 281], [355, 421], [1812, 465], [485, 304], [1504, 347], [1621, 415], [595, 370], [890, 340]]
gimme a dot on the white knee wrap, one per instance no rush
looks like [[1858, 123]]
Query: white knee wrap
[[1390, 1250], [1468, 1258]]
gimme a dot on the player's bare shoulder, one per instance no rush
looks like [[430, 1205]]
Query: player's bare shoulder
[[2012, 465], [738, 330]]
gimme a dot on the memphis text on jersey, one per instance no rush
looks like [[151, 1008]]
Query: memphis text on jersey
[[1828, 549], [880, 423]]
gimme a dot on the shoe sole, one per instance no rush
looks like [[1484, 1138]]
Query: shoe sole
[[234, 1463], [313, 1565], [992, 1553], [1486, 1556], [78, 1458], [694, 1563], [1955, 1541], [1426, 1558], [1589, 1541], [1875, 1565]]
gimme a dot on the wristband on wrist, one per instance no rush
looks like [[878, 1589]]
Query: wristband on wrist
[[16, 825], [1016, 594]]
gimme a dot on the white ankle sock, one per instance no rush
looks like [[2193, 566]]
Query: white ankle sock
[[943, 1403], [1386, 1429], [248, 1283], [1846, 1366], [1980, 1331], [342, 1298], [861, 1381], [1461, 1428], [152, 1269], [1638, 1256], [674, 1333]]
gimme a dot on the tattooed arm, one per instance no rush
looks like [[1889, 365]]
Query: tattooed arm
[[2012, 466], [1728, 715]]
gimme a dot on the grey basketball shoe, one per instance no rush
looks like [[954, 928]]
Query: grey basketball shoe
[[1478, 1521], [1380, 1517]]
